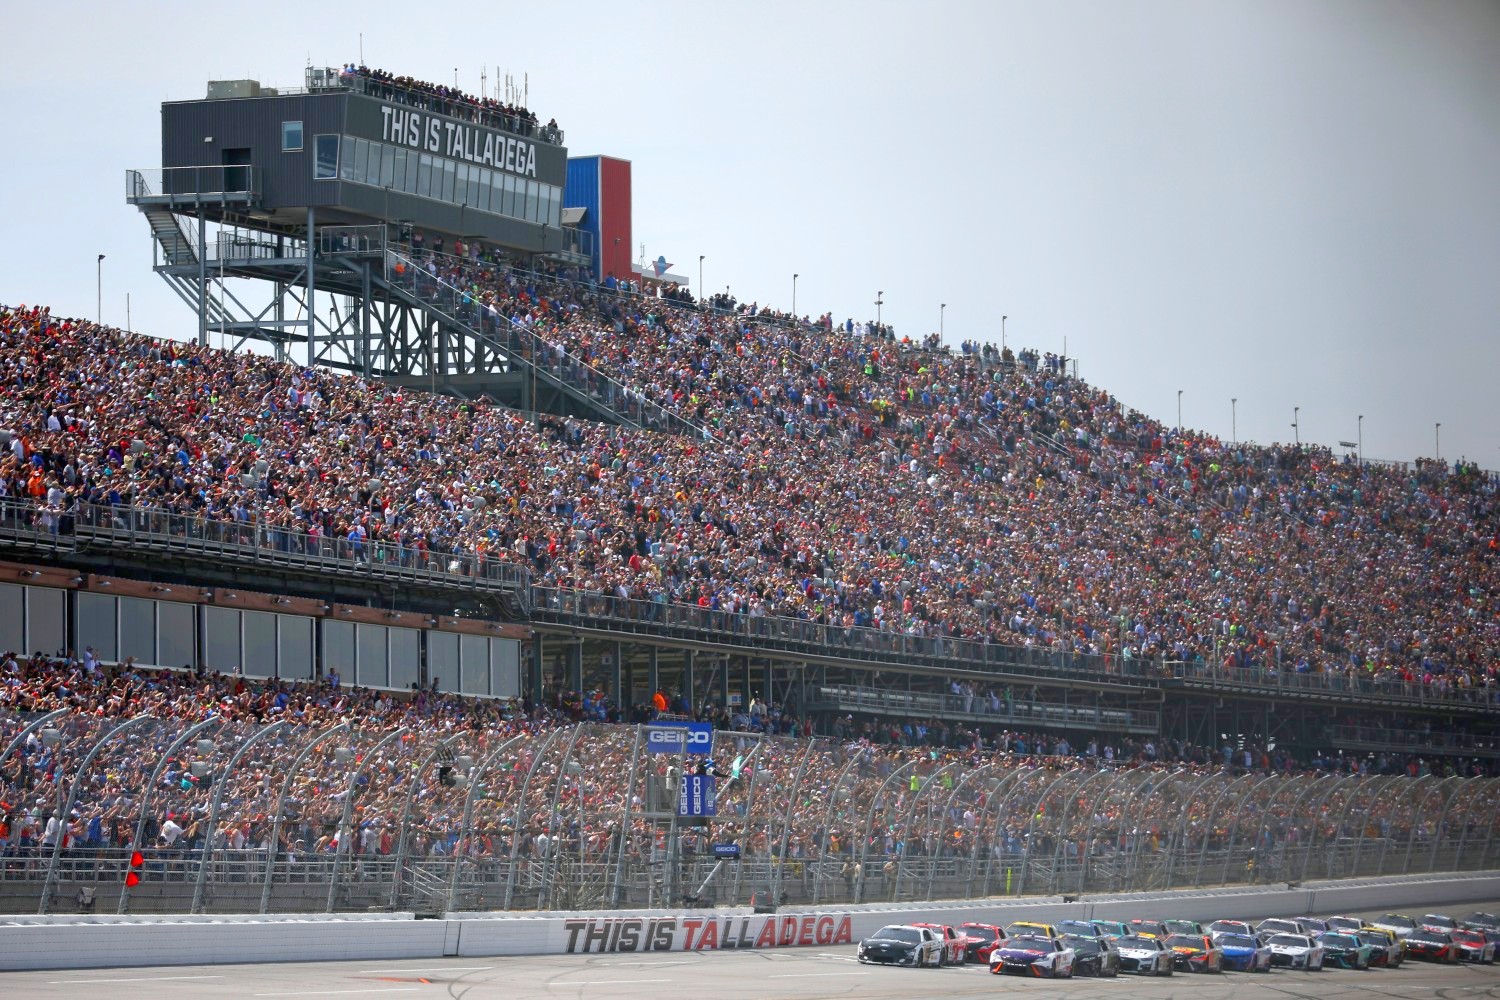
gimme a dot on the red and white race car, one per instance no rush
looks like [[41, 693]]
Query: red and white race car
[[955, 945]]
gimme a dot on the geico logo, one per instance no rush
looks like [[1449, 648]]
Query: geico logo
[[676, 737]]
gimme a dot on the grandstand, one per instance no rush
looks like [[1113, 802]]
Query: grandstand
[[374, 630]]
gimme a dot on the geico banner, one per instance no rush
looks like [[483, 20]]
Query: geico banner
[[677, 737], [629, 934]]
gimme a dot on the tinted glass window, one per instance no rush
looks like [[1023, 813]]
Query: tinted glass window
[[899, 934], [326, 159], [1289, 940], [291, 136], [1237, 941]]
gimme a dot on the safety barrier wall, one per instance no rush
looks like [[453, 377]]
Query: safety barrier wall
[[88, 942]]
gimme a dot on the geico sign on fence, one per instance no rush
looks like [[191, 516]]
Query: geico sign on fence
[[616, 934], [692, 737]]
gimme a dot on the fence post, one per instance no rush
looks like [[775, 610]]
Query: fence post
[[911, 815], [1312, 839], [443, 747], [786, 823], [833, 798], [635, 756], [550, 863], [1062, 824], [864, 847], [286, 784], [213, 810], [36, 724], [515, 830], [1412, 836], [62, 819], [947, 808], [161, 764], [344, 833]]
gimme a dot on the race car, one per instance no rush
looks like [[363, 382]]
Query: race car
[[1345, 925], [1432, 946], [1244, 952], [1033, 955], [1311, 926], [1112, 929], [982, 939], [1474, 946], [1231, 927], [1093, 956], [1021, 927], [1080, 928], [1149, 928], [1196, 953], [1389, 952], [1397, 923], [1276, 925], [1438, 922], [955, 945], [901, 944], [1145, 956], [1296, 951], [1482, 921], [1183, 927], [1346, 951]]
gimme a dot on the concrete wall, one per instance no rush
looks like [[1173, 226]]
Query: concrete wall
[[99, 942]]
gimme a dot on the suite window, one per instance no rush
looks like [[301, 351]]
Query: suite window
[[326, 160], [291, 137]]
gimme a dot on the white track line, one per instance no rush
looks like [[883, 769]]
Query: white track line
[[450, 968], [329, 993], [148, 979], [810, 975]]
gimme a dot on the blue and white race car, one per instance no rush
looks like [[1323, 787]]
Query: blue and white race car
[[1244, 953], [1033, 955]]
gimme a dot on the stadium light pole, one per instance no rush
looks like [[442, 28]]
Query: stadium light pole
[[99, 290], [1179, 411], [879, 301], [1002, 332], [794, 295], [1234, 420], [1437, 439], [702, 293], [1360, 439], [1297, 426], [942, 309]]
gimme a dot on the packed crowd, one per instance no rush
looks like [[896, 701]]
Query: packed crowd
[[851, 480], [1036, 509], [450, 101], [552, 785]]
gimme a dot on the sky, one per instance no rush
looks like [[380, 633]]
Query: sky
[[1289, 204]]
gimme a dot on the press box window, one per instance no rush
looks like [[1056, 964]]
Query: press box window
[[291, 137], [326, 162]]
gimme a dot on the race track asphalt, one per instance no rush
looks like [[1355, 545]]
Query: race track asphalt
[[791, 974]]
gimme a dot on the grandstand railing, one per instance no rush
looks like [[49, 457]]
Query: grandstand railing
[[252, 541], [512, 338], [582, 817], [994, 710], [319, 80], [256, 542], [813, 638]]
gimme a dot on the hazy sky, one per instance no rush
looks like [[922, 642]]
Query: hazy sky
[[1291, 203]]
